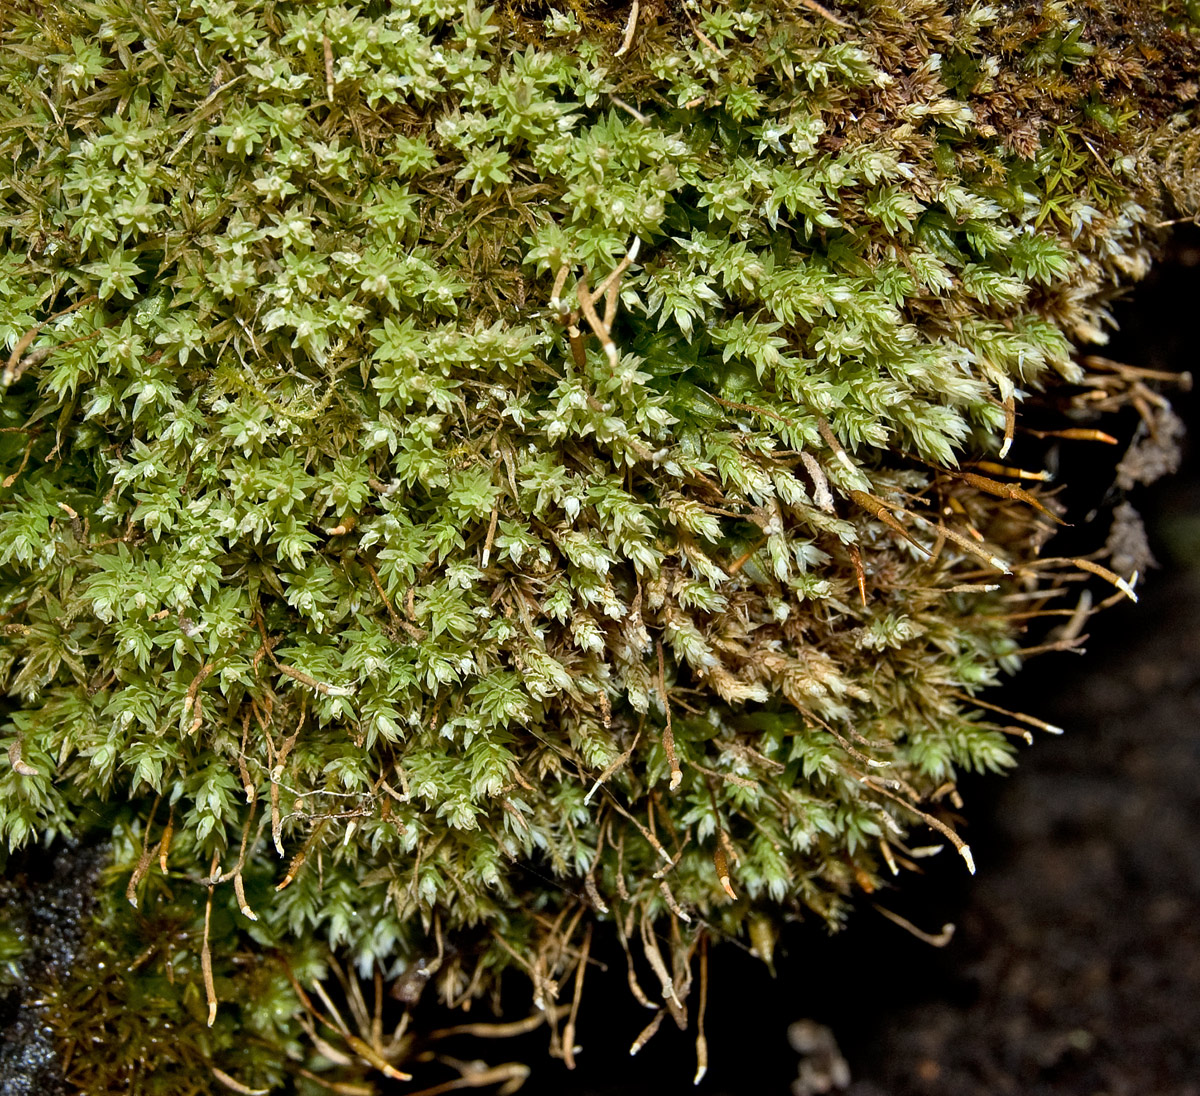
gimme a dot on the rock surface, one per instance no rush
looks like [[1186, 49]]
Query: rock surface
[[45, 903]]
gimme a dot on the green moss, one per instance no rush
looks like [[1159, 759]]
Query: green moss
[[12, 950], [354, 539], [132, 1017]]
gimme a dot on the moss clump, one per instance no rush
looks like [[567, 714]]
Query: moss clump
[[133, 1017], [469, 472]]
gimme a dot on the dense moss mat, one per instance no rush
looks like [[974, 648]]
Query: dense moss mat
[[472, 472]]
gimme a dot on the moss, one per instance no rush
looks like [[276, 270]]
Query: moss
[[133, 1017], [470, 473]]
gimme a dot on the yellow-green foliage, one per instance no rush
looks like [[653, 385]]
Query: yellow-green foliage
[[472, 471]]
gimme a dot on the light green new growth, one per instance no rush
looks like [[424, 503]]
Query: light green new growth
[[471, 473]]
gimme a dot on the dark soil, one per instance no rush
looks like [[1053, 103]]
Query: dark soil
[[1077, 965]]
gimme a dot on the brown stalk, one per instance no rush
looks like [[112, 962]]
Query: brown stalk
[[630, 27], [164, 844], [144, 859], [655, 959], [668, 735], [824, 13], [860, 574], [650, 838], [701, 1040], [1010, 424], [300, 857], [589, 880], [396, 618], [963, 849], [940, 940], [580, 970], [1041, 725], [210, 990], [635, 988], [327, 50], [647, 1033], [880, 510], [599, 328], [235, 1085], [1008, 491]]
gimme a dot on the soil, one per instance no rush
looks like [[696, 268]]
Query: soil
[[1076, 969]]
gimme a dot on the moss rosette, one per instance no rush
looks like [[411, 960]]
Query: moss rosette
[[471, 473]]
